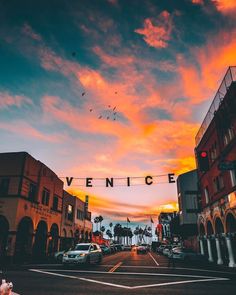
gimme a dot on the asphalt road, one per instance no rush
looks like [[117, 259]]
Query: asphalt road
[[122, 273]]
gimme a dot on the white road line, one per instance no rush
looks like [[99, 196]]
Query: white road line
[[124, 273], [115, 267], [153, 259], [207, 279], [179, 282], [105, 283]]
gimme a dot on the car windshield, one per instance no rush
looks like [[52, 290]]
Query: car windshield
[[81, 247]]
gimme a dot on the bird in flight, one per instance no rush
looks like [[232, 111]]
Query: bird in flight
[[114, 108], [100, 117], [83, 93], [90, 110]]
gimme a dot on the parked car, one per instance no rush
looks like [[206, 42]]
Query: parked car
[[119, 247], [141, 249], [187, 254], [127, 247], [84, 253], [166, 250], [160, 249], [113, 248], [105, 249]]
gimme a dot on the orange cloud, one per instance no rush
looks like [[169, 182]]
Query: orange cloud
[[159, 35], [118, 211], [225, 5]]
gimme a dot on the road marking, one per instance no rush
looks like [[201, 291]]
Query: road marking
[[115, 267], [166, 267], [153, 259], [125, 273], [206, 279], [179, 282]]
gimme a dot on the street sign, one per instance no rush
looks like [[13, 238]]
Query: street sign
[[227, 165]]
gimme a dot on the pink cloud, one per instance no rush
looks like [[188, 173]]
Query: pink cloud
[[28, 31], [30, 132], [157, 35], [8, 100]]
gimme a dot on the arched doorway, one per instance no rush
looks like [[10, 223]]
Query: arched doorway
[[219, 230], [24, 236], [53, 239], [40, 243], [231, 228], [4, 229], [210, 232]]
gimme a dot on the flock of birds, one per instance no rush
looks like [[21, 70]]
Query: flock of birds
[[108, 114]]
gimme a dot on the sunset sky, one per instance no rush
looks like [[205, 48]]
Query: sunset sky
[[69, 68]]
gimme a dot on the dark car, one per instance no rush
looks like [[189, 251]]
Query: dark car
[[105, 249], [142, 249]]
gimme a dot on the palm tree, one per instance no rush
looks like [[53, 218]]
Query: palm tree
[[100, 219], [108, 233], [96, 221], [117, 231], [111, 225], [102, 229], [136, 231]]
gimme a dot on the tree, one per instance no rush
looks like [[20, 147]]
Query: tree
[[96, 221], [108, 233], [100, 219], [118, 231]]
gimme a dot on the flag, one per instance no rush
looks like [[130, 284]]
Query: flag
[[128, 220], [152, 220]]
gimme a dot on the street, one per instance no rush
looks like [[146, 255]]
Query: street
[[122, 273]]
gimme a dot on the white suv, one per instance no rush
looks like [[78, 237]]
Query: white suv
[[83, 253]]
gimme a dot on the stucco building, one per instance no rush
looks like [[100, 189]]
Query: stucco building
[[36, 215], [217, 140]]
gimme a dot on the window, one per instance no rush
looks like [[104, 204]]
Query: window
[[69, 212], [213, 152], [80, 214], [45, 197], [233, 177], [206, 193], [4, 186], [32, 192], [229, 135], [55, 203], [218, 183]]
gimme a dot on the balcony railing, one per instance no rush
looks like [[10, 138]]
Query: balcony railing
[[229, 77]]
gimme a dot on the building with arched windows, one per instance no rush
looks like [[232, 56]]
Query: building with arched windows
[[216, 141], [32, 201]]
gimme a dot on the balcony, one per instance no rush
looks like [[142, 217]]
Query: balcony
[[229, 77]]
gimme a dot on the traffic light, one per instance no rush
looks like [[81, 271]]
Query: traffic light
[[203, 161]]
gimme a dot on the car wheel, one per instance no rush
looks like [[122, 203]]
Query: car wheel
[[59, 258]]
